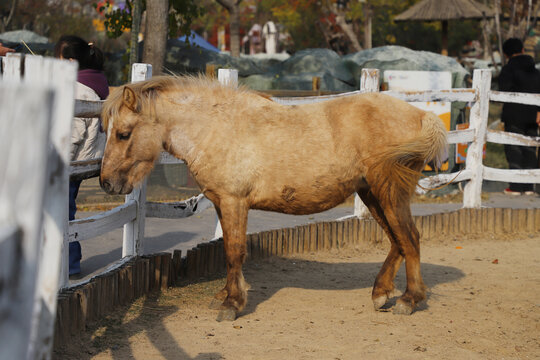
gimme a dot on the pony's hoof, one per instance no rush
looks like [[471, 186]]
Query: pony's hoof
[[402, 308], [227, 315], [380, 302], [215, 304]]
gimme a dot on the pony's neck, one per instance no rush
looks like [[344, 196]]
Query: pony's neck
[[183, 129]]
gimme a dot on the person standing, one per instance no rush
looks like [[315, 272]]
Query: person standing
[[87, 136], [519, 75]]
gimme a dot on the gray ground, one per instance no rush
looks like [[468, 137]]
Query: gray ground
[[169, 234]]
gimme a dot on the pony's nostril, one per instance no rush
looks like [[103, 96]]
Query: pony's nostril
[[106, 185]]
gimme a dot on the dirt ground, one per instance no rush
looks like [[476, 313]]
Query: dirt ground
[[483, 303]]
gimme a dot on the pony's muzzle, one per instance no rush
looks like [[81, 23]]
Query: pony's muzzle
[[115, 188], [106, 186]]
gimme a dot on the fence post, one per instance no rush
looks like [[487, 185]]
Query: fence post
[[134, 230], [12, 65], [227, 77], [369, 82], [61, 75], [472, 195], [25, 117]]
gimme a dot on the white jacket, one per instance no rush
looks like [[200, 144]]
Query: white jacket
[[87, 141]]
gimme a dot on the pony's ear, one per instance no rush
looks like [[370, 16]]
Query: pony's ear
[[130, 99]]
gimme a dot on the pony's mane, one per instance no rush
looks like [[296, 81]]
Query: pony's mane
[[147, 91]]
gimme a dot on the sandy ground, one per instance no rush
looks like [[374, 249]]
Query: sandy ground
[[483, 303]]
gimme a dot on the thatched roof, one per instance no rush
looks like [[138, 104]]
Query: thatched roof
[[437, 10]]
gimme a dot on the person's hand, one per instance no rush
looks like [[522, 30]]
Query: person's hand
[[4, 50], [538, 118]]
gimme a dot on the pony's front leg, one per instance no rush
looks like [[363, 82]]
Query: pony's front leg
[[232, 214]]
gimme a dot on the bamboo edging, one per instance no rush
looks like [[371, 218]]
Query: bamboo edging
[[80, 306]]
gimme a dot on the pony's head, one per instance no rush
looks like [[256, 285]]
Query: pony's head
[[134, 135]]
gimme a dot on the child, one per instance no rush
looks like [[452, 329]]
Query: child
[[87, 136]]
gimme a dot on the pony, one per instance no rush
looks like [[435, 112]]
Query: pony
[[248, 152]]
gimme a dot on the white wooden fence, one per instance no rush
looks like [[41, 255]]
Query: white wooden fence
[[36, 128], [475, 172], [476, 135], [53, 270]]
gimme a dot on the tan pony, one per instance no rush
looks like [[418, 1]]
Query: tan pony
[[248, 152]]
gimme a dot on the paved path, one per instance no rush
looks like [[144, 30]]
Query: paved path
[[169, 234]]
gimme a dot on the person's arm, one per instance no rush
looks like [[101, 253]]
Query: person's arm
[[78, 135], [538, 118], [4, 50]]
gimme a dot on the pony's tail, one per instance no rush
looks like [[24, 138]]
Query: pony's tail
[[396, 171]]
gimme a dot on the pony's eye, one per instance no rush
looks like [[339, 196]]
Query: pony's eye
[[124, 136]]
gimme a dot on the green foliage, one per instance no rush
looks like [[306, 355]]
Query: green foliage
[[301, 20], [181, 15], [117, 20]]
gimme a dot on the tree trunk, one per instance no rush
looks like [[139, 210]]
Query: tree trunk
[[234, 28], [233, 7], [368, 16], [349, 32], [134, 39], [155, 37], [498, 29], [444, 50], [6, 21]]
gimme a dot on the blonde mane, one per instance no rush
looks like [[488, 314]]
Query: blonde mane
[[147, 92]]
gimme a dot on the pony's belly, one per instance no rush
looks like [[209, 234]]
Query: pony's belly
[[302, 199], [291, 202]]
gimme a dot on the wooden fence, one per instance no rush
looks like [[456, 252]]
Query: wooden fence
[[88, 302], [132, 213], [476, 135], [35, 124], [135, 274], [474, 173]]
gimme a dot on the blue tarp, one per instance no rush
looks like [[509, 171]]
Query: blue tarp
[[198, 40]]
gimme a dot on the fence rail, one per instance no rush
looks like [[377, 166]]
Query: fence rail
[[475, 172], [35, 132], [51, 268], [136, 209]]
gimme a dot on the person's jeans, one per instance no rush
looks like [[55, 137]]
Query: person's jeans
[[75, 254]]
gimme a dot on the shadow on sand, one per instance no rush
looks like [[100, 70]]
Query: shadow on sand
[[268, 277], [113, 333]]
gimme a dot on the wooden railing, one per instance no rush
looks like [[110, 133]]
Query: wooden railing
[[474, 172], [35, 124], [132, 213], [135, 209]]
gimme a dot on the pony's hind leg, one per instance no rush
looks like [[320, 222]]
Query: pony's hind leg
[[384, 282], [407, 238], [232, 298]]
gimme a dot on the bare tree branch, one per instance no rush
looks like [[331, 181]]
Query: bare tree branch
[[6, 21]]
